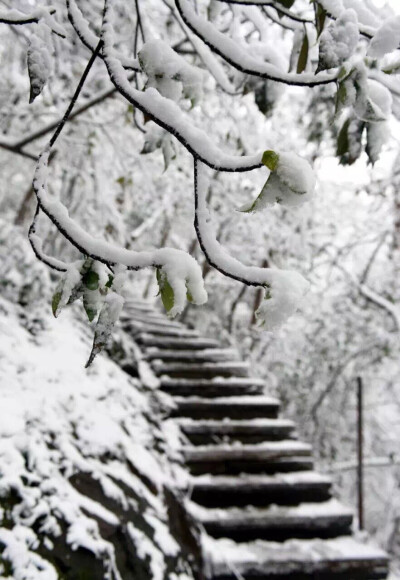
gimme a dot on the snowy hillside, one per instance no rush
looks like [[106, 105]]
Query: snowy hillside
[[82, 487]]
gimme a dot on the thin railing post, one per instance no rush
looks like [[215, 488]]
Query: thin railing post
[[360, 453]]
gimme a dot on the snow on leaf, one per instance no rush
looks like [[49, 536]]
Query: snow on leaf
[[109, 314], [374, 103], [39, 61], [168, 148], [169, 73], [377, 135], [290, 183], [339, 41], [66, 287]]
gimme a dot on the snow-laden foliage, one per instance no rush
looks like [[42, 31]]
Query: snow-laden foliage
[[169, 84]]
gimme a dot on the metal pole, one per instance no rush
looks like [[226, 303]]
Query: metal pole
[[360, 453]]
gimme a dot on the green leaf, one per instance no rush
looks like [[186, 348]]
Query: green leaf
[[343, 139], [76, 293], [320, 18], [286, 3], [91, 302], [270, 159], [91, 280], [166, 290], [264, 97], [90, 311], [341, 97], [392, 69], [110, 281], [55, 302], [254, 206], [349, 141], [303, 56]]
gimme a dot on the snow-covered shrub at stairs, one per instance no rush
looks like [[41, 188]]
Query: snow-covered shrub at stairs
[[84, 484]]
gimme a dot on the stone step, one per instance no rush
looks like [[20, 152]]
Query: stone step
[[176, 343], [260, 490], [151, 318], [205, 355], [252, 431], [157, 330], [239, 458], [221, 387], [163, 324], [276, 523], [201, 370], [245, 407], [342, 558], [267, 457], [132, 305]]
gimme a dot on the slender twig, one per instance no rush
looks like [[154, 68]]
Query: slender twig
[[54, 263], [75, 96]]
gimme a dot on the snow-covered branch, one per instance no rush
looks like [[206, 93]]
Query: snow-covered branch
[[90, 40], [285, 289], [167, 114], [17, 18], [234, 54]]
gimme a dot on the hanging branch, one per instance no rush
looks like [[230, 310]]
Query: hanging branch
[[17, 18], [233, 54], [34, 240]]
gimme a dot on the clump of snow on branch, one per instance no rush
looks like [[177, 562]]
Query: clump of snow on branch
[[339, 41], [386, 39], [39, 60], [374, 104], [169, 73], [282, 299]]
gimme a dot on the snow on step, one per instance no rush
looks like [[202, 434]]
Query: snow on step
[[242, 407], [202, 370], [137, 305], [278, 523], [260, 490], [152, 318], [266, 451], [146, 322], [266, 457], [211, 355], [149, 340], [159, 330], [214, 387], [254, 430], [341, 558]]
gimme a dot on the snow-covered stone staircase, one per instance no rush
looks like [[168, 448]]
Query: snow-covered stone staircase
[[266, 513]]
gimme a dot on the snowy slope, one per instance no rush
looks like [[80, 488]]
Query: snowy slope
[[83, 493]]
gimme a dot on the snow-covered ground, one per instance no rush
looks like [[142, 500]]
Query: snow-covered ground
[[60, 423]]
